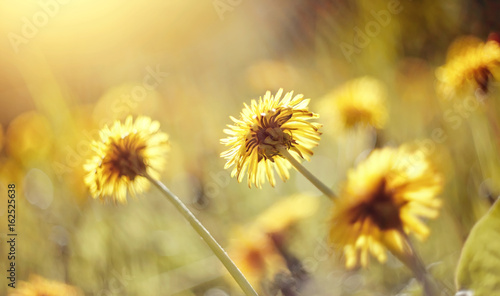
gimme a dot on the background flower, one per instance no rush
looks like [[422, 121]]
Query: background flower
[[37, 285], [260, 249], [471, 64], [361, 101], [388, 193]]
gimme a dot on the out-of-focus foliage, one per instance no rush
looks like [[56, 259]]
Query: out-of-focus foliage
[[479, 264]]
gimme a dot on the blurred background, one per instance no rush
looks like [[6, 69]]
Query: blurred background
[[69, 67]]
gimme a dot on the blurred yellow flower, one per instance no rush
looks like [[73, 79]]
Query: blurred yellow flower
[[29, 138], [286, 212], [264, 128], [38, 286], [359, 101], [256, 255], [470, 66], [125, 154], [387, 193], [253, 249]]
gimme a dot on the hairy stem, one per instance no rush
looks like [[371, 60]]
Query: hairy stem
[[315, 181]]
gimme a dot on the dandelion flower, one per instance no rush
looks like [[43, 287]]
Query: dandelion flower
[[256, 255], [286, 212], [264, 128], [126, 153], [253, 248], [386, 194], [470, 65], [40, 286], [361, 101]]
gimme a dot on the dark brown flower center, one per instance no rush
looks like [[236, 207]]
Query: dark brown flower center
[[482, 77], [268, 136], [380, 208], [126, 157]]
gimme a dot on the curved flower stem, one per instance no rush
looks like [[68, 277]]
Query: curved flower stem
[[315, 181], [207, 237], [413, 261]]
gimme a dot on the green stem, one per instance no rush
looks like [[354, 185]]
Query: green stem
[[315, 181], [413, 261], [207, 237]]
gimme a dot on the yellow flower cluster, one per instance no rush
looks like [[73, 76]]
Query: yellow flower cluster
[[384, 198]]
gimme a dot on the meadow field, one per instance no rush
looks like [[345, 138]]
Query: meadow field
[[331, 147]]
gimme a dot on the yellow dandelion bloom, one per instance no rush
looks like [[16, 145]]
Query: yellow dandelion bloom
[[256, 255], [37, 286], [387, 193], [253, 249], [123, 156], [286, 212], [264, 128], [361, 101], [470, 65]]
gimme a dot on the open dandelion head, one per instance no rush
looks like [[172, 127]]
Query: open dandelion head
[[264, 128], [361, 101], [471, 65], [386, 194], [125, 154], [37, 286]]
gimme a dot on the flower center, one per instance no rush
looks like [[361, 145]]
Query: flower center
[[482, 77], [353, 115], [267, 134], [255, 259], [126, 158], [380, 208]]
